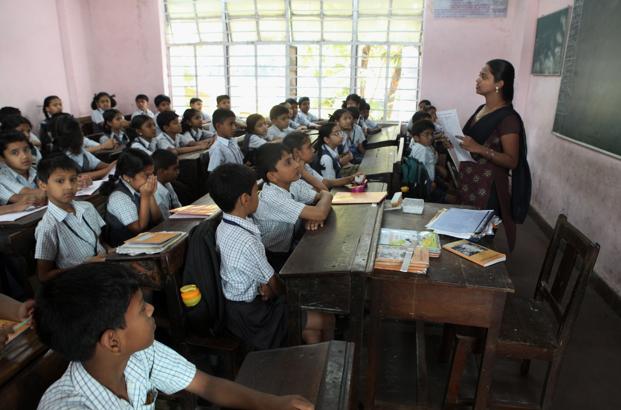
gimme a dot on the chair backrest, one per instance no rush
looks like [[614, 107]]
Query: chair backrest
[[565, 273]]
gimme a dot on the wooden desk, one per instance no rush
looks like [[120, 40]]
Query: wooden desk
[[109, 155], [371, 187], [454, 291], [378, 163], [386, 137], [18, 354], [193, 171], [321, 373]]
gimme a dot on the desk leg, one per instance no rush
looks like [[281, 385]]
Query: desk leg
[[356, 326], [489, 353], [374, 343]]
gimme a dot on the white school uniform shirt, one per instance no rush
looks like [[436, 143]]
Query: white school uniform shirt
[[274, 132], [120, 137], [122, 206], [302, 119], [78, 158], [89, 143], [148, 113], [314, 173], [166, 198], [206, 117], [67, 238], [255, 141], [142, 144], [328, 171], [293, 124], [14, 182], [426, 156], [370, 123], [358, 135], [5, 195], [34, 139], [308, 116], [97, 116], [276, 216], [156, 368], [303, 191], [194, 135], [224, 151], [243, 264], [165, 141]]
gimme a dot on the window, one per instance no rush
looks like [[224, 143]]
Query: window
[[262, 51]]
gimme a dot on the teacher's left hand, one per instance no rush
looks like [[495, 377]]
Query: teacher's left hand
[[469, 144]]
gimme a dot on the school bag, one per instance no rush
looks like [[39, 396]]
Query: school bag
[[414, 175]]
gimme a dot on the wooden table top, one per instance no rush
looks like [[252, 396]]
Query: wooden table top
[[346, 243], [388, 133], [448, 268], [379, 160], [19, 353]]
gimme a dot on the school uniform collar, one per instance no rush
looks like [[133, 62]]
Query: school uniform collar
[[143, 142], [271, 188], [245, 223], [227, 142], [32, 174], [169, 138], [60, 214], [332, 152], [128, 186]]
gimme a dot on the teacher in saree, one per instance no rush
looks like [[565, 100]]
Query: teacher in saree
[[494, 135]]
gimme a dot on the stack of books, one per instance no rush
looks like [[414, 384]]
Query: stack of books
[[194, 211], [150, 243], [409, 239], [406, 250], [461, 223]]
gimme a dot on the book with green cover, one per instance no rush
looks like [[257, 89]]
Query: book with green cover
[[411, 238]]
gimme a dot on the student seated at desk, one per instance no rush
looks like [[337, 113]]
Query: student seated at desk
[[95, 316], [142, 103], [292, 106], [23, 125], [162, 103], [255, 304], [327, 161], [17, 172], [304, 117], [279, 211], [132, 207], [170, 137], [354, 134], [224, 150], [68, 233], [21, 202], [192, 130], [114, 122], [166, 166], [141, 133], [371, 126], [11, 309], [52, 104], [69, 139], [279, 116], [197, 104], [102, 101], [256, 135], [224, 102]]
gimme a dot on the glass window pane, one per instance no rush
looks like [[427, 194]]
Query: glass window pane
[[243, 30], [373, 7], [273, 29], [306, 29], [180, 9], [337, 7], [210, 30], [271, 7], [337, 29], [372, 29], [240, 8], [407, 7], [209, 8], [308, 7], [183, 32], [402, 30]]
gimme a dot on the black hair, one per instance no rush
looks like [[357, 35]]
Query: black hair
[[336, 115], [324, 131], [46, 102], [195, 100], [163, 159], [295, 140], [303, 99], [251, 122], [421, 126], [101, 94], [353, 97], [431, 107], [364, 105], [277, 111], [137, 122], [9, 137], [75, 308], [109, 115], [187, 116], [11, 122], [55, 161], [220, 115], [141, 97], [160, 99], [502, 70], [66, 132], [7, 112], [165, 118], [426, 102], [291, 101], [221, 98], [420, 115], [355, 112], [228, 182], [131, 162], [267, 157]]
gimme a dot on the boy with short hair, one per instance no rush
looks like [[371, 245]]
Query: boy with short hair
[[96, 317], [279, 115], [17, 172], [292, 105], [278, 210], [162, 103], [170, 138], [142, 103], [166, 169], [371, 126], [304, 113], [224, 150], [223, 102], [69, 232]]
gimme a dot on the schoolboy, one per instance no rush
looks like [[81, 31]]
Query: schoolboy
[[255, 305], [279, 115], [166, 168], [169, 138], [223, 102], [162, 103], [304, 104], [69, 232], [96, 317], [17, 173], [292, 106], [278, 211], [142, 103], [224, 150]]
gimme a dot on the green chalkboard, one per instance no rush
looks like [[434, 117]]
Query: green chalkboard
[[589, 103], [550, 43]]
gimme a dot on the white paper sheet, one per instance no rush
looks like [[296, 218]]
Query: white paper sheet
[[450, 122], [90, 190], [14, 216]]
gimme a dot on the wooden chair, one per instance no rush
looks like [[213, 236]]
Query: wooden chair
[[539, 328]]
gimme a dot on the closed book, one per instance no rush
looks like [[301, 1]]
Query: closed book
[[350, 198], [151, 238], [476, 253], [198, 210]]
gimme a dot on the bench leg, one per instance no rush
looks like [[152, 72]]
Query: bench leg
[[374, 345]]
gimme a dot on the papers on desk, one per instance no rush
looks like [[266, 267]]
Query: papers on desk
[[194, 211], [14, 216], [349, 198], [150, 243], [449, 121], [461, 223], [406, 250], [18, 328], [90, 190]]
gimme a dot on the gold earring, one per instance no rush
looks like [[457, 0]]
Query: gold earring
[[496, 89]]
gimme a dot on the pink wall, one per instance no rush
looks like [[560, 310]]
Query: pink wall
[[567, 178]]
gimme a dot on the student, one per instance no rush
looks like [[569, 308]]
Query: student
[[68, 137], [141, 133], [102, 101], [95, 316], [23, 125], [278, 212], [279, 115], [423, 105], [418, 115], [142, 103], [52, 105], [299, 145], [224, 150], [162, 103], [197, 104], [372, 127], [113, 127], [17, 172], [11, 309], [352, 100], [292, 106], [7, 111], [170, 137], [355, 135], [256, 135], [303, 117], [329, 162], [19, 204], [255, 304], [132, 207], [432, 111], [223, 102], [69, 232], [344, 120], [192, 130], [166, 167]]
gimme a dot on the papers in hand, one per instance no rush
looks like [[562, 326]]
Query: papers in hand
[[449, 121], [460, 223], [14, 216]]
